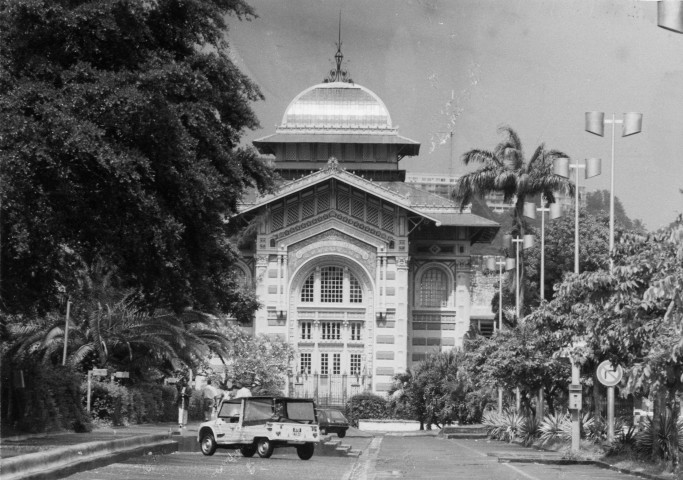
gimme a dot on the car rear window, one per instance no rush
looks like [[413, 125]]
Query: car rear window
[[335, 415], [301, 411]]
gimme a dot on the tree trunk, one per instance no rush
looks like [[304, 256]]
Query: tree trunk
[[659, 410], [597, 413]]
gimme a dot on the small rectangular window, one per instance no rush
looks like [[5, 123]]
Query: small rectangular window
[[324, 364], [336, 363], [355, 365], [306, 328], [305, 363]]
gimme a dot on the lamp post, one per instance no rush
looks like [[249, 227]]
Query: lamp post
[[670, 15], [491, 263], [528, 242], [595, 124], [555, 211], [592, 168]]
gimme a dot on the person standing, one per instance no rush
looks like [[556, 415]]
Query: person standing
[[210, 395], [184, 394]]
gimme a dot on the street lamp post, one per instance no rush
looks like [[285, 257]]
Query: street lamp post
[[592, 168], [491, 264], [595, 124], [528, 242], [555, 210]]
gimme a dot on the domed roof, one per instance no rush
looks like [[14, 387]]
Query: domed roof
[[336, 106]]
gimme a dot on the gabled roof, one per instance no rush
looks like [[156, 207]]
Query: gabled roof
[[436, 208]]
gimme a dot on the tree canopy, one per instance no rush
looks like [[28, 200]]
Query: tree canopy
[[120, 124]]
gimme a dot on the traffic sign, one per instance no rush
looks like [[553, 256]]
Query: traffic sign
[[99, 371], [122, 375], [608, 375]]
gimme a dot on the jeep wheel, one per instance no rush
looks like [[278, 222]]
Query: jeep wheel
[[305, 451], [248, 451], [264, 447], [341, 433], [208, 444]]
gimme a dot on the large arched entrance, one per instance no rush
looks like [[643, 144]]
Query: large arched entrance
[[331, 311]]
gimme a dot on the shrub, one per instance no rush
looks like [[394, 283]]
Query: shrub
[[556, 426], [49, 401], [505, 426], [115, 404], [529, 430], [667, 442], [471, 409], [366, 405]]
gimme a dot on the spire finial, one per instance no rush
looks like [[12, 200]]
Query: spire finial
[[338, 75]]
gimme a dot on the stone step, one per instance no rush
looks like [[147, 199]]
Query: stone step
[[334, 448], [463, 429], [466, 436]]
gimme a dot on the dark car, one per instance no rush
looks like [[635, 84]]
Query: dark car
[[332, 421]]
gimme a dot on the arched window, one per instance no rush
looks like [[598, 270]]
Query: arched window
[[433, 288], [331, 284], [307, 289]]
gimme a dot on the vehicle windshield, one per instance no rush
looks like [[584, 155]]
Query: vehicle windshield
[[301, 411], [230, 410]]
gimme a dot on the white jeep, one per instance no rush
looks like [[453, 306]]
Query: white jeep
[[261, 424]]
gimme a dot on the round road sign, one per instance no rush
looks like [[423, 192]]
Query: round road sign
[[608, 375]]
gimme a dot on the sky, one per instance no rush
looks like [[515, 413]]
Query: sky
[[469, 67]]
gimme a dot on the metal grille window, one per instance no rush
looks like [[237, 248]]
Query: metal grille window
[[278, 218], [292, 213], [307, 289], [331, 284], [355, 292], [336, 363], [354, 364], [324, 364], [308, 207], [356, 331], [306, 328], [387, 218], [305, 363], [331, 330], [434, 288], [373, 215]]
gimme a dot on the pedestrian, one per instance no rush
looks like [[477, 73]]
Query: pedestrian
[[242, 391], [184, 394], [210, 395]]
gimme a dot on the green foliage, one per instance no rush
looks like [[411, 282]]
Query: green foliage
[[529, 430], [555, 427], [504, 426], [117, 405], [366, 405], [471, 409], [120, 125], [663, 442], [50, 400]]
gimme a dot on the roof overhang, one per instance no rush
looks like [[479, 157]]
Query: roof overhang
[[408, 147]]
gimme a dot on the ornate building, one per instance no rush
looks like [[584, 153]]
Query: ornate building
[[362, 273]]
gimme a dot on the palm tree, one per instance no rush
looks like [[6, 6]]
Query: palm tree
[[505, 170]]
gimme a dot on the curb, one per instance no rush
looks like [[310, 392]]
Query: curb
[[50, 463], [566, 461]]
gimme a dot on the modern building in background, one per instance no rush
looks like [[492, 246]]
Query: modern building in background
[[362, 273]]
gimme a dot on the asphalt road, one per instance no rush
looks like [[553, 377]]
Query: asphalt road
[[385, 457]]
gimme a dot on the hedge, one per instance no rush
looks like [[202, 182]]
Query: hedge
[[366, 405]]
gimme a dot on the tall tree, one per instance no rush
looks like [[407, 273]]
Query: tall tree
[[119, 129], [506, 170]]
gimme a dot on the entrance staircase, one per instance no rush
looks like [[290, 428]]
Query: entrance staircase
[[464, 432], [333, 447]]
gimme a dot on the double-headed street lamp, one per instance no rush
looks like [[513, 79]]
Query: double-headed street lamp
[[595, 123], [555, 210], [561, 167]]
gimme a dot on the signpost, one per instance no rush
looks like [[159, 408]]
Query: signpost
[[100, 372], [609, 376]]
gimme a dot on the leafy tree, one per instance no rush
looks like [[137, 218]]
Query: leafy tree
[[119, 131], [597, 203], [259, 362], [524, 357], [506, 170], [560, 249], [633, 317]]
